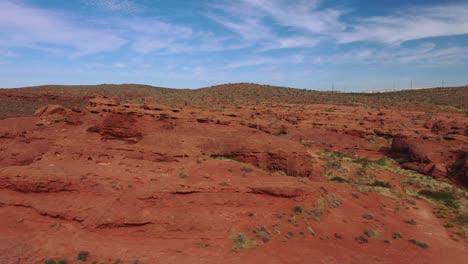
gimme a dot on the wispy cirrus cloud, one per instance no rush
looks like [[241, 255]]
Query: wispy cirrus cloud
[[425, 54], [306, 15], [410, 24], [61, 34], [293, 59], [308, 20], [24, 26], [247, 19], [115, 5]]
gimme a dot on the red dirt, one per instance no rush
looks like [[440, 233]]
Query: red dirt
[[160, 184]]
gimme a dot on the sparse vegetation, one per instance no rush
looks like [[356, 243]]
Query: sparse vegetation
[[263, 233], [183, 175], [447, 197], [82, 256], [339, 179], [371, 232], [378, 183], [246, 169], [361, 240], [418, 243], [381, 162], [116, 186], [297, 209], [241, 242], [368, 216]]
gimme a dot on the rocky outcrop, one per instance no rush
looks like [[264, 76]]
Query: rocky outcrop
[[459, 169], [264, 151], [416, 149], [118, 127], [427, 156]]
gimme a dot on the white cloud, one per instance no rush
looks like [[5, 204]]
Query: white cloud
[[258, 20], [115, 5], [304, 15], [412, 24], [59, 34], [290, 42], [294, 59], [23, 26], [425, 54], [248, 20]]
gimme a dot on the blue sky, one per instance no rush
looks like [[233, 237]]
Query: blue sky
[[353, 45]]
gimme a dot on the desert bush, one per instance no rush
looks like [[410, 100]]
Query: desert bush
[[246, 169], [378, 183], [410, 221], [447, 197], [361, 240], [368, 216], [298, 209], [418, 243], [82, 255], [241, 241], [339, 179], [371, 232]]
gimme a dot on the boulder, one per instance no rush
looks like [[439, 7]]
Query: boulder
[[50, 110]]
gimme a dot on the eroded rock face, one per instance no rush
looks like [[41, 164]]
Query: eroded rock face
[[418, 150], [459, 169], [50, 110], [427, 157], [118, 127], [292, 164]]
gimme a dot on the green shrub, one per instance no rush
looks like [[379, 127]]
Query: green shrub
[[418, 243], [363, 161], [380, 184], [83, 255], [461, 220], [183, 175], [447, 197], [241, 242], [368, 216], [298, 209], [371, 233], [246, 169], [381, 162], [361, 240], [410, 221], [339, 179], [50, 261]]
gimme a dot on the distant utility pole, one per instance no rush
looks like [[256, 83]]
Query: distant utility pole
[[411, 84], [393, 84], [333, 87]]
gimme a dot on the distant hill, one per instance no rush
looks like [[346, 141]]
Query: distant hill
[[23, 101]]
